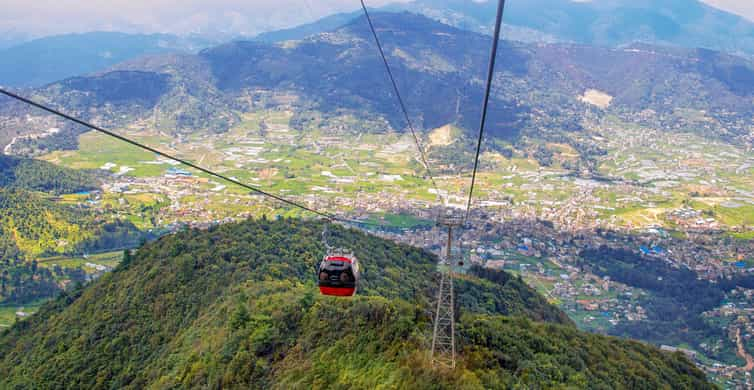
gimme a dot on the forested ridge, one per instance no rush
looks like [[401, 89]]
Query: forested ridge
[[36, 175], [34, 224], [37, 225], [31, 223], [237, 307]]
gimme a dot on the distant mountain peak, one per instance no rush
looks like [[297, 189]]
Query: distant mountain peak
[[54, 58]]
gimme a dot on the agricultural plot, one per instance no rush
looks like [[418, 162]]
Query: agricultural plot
[[9, 314], [652, 174], [90, 264]]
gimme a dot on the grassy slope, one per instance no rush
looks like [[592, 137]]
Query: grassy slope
[[236, 307]]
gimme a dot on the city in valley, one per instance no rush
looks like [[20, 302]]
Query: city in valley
[[672, 202]]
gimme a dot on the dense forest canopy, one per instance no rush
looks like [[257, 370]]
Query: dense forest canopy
[[32, 225], [237, 307], [36, 175]]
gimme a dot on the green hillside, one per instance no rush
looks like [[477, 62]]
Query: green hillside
[[36, 175], [237, 307], [30, 222], [34, 223], [38, 225]]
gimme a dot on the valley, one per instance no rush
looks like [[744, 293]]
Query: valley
[[648, 180], [658, 194]]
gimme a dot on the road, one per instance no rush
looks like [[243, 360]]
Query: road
[[7, 149], [743, 354]]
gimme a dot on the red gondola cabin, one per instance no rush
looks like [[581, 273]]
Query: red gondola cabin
[[338, 274]]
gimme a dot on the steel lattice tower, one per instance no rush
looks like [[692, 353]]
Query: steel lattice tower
[[443, 335]]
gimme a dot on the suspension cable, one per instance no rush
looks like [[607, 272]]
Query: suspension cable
[[419, 145], [326, 215], [488, 87]]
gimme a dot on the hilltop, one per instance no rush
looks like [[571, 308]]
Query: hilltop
[[617, 23], [236, 306]]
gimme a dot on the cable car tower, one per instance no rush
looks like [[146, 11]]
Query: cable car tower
[[443, 334], [443, 353]]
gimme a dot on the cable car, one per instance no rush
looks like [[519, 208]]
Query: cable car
[[338, 274]]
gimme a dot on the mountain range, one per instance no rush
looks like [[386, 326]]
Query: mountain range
[[44, 60], [615, 23], [612, 23], [10, 38], [544, 91], [235, 306]]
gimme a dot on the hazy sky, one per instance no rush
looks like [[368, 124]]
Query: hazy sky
[[43, 17], [742, 7], [177, 16]]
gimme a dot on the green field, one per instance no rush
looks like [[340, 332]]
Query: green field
[[7, 316], [108, 259], [8, 313], [400, 221], [96, 150]]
